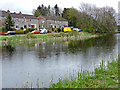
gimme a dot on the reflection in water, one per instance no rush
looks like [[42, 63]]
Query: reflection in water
[[9, 49], [45, 59]]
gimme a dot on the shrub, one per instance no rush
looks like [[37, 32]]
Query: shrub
[[48, 31], [13, 29], [31, 29], [27, 30], [62, 33], [58, 29], [29, 35], [2, 28], [52, 29], [21, 28], [19, 31], [62, 29], [55, 30]]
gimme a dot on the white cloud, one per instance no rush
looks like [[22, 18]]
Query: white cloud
[[26, 6]]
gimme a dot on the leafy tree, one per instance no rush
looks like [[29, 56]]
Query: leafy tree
[[37, 13], [9, 22], [41, 10], [56, 10], [49, 10], [65, 13]]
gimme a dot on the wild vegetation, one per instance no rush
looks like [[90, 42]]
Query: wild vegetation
[[47, 11], [91, 18], [9, 22], [51, 36], [102, 77]]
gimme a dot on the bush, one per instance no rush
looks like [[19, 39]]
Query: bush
[[31, 29], [58, 29], [19, 32], [29, 35], [61, 33], [13, 29], [27, 30], [2, 28], [48, 31], [62, 29], [55, 30], [21, 28]]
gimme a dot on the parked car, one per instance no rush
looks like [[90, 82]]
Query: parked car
[[32, 32], [79, 30], [43, 31], [10, 33], [37, 31], [67, 29], [76, 29]]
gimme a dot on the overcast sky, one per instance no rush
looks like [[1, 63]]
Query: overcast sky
[[26, 6]]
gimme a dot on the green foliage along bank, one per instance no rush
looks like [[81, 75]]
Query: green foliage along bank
[[101, 78], [91, 18]]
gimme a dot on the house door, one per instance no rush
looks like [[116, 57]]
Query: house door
[[32, 26]]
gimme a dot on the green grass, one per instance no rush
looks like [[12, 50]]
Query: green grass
[[102, 78], [40, 37]]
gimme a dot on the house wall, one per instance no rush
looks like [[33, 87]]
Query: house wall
[[20, 22], [55, 23], [26, 23]]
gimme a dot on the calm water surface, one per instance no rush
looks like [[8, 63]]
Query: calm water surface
[[46, 60]]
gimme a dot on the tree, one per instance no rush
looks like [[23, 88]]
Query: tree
[[73, 14], [65, 13], [37, 13], [9, 22], [104, 18], [56, 10], [49, 10], [41, 10]]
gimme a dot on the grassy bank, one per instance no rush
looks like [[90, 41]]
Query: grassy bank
[[48, 37], [103, 77]]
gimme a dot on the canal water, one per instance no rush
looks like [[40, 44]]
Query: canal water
[[40, 61]]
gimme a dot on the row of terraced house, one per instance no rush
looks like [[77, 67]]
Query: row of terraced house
[[30, 21]]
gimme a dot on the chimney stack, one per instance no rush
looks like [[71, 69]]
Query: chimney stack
[[8, 11], [20, 12]]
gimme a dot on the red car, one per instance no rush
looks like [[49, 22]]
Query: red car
[[37, 31]]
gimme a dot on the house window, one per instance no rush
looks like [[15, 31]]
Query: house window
[[14, 19], [25, 20], [22, 20], [17, 19], [42, 26], [25, 26], [17, 26], [29, 26]]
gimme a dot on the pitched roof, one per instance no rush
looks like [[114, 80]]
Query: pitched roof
[[18, 15], [52, 18]]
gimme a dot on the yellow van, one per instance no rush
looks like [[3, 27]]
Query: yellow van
[[67, 29]]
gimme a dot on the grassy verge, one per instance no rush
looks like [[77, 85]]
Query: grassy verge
[[51, 36], [101, 78]]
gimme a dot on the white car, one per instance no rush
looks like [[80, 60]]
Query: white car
[[76, 29], [43, 31]]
